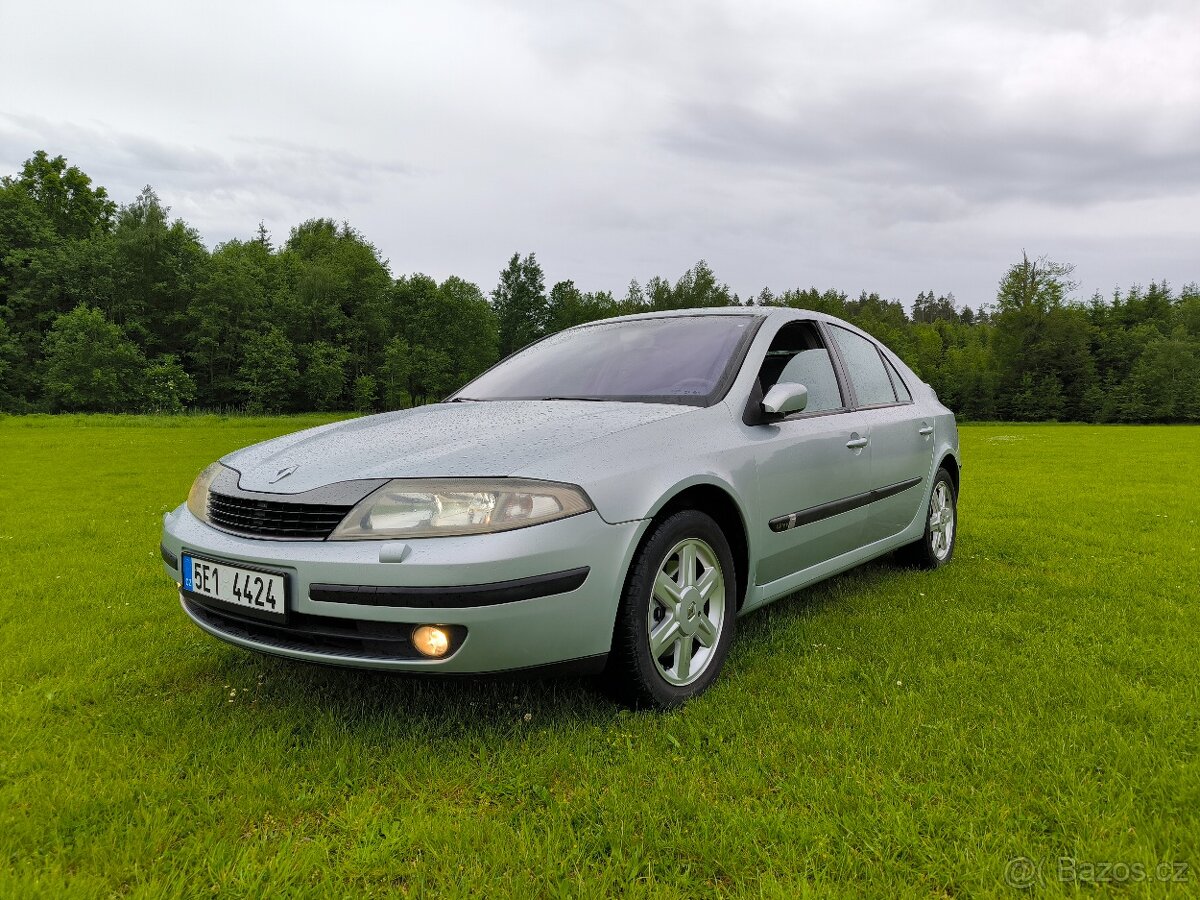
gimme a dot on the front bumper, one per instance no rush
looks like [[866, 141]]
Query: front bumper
[[501, 634]]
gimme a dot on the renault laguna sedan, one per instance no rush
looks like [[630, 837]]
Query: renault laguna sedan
[[609, 499]]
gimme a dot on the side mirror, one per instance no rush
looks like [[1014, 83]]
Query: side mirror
[[784, 399]]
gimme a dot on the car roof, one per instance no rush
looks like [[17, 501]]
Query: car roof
[[786, 313], [762, 312]]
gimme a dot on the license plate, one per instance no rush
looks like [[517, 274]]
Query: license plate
[[255, 590]]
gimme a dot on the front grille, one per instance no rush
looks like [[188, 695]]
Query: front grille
[[274, 519]]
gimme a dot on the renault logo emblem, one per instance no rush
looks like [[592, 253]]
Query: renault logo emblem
[[283, 473]]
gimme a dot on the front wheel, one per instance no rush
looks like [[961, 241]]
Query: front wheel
[[936, 546], [677, 614]]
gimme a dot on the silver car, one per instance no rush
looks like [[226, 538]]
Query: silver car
[[611, 498]]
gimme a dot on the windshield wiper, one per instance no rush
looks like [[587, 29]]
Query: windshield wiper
[[582, 399], [466, 400]]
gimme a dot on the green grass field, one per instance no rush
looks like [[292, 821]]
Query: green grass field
[[888, 733]]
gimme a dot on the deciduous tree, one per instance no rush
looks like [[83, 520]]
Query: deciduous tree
[[324, 378], [267, 377], [89, 365]]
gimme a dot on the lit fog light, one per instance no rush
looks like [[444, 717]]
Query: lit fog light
[[430, 640]]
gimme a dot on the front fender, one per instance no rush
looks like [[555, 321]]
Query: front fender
[[634, 474], [706, 479]]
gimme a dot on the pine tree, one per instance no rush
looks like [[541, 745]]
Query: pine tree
[[520, 302]]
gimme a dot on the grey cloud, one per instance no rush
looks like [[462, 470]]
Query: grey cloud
[[896, 147], [258, 178], [1092, 17], [931, 138]]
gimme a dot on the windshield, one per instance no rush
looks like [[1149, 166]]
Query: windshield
[[681, 359]]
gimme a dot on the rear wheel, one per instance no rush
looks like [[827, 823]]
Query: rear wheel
[[935, 548], [677, 615]]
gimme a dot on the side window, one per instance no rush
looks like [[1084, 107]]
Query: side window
[[872, 384], [902, 392], [798, 355]]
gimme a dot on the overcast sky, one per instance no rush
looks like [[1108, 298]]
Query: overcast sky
[[879, 145]]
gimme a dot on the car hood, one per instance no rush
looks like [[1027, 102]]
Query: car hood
[[440, 440]]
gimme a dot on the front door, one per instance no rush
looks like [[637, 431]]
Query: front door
[[814, 467], [812, 476]]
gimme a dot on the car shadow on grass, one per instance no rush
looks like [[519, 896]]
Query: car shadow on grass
[[448, 705], [831, 597], [406, 702]]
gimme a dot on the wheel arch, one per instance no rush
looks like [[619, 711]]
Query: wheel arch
[[718, 502], [950, 463]]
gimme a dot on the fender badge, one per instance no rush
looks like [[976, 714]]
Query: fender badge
[[283, 473]]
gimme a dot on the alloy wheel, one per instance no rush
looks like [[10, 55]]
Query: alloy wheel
[[687, 611], [941, 521]]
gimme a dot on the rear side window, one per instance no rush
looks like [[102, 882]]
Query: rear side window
[[902, 393], [872, 384]]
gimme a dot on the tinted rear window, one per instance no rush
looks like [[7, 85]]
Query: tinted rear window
[[872, 384]]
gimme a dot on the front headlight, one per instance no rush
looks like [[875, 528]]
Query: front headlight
[[197, 502], [442, 507]]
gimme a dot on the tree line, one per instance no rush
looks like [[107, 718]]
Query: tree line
[[122, 308]]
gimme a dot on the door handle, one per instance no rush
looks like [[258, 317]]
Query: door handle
[[857, 443], [925, 430]]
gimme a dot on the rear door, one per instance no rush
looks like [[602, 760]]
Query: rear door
[[901, 441]]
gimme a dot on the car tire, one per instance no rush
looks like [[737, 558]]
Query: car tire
[[935, 548], [680, 600]]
